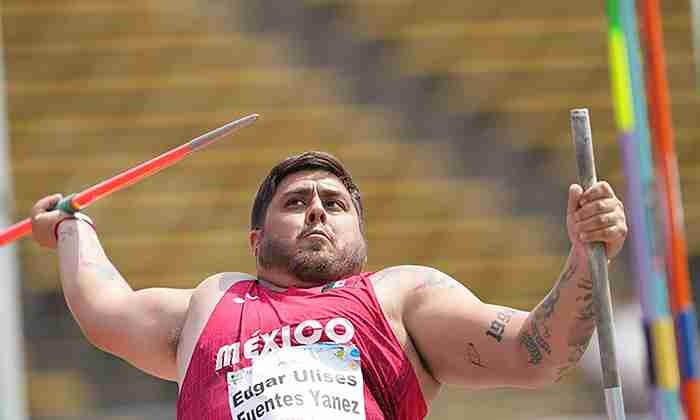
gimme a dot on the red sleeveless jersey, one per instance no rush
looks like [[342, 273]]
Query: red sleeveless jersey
[[319, 353]]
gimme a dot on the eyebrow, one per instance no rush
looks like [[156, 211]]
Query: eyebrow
[[298, 191], [323, 192]]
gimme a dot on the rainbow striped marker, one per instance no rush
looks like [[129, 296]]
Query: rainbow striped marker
[[676, 252], [629, 100], [83, 199]]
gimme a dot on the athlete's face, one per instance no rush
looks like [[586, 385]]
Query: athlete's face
[[311, 230]]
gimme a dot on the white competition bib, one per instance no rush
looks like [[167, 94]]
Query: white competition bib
[[314, 382]]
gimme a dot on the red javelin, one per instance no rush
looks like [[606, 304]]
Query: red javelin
[[81, 200]]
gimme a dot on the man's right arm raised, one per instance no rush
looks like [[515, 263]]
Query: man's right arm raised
[[142, 327]]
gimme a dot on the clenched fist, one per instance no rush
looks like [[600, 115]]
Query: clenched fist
[[596, 215], [44, 220]]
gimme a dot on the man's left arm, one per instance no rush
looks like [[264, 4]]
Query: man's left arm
[[465, 341]]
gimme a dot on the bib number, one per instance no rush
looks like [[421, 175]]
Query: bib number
[[314, 382]]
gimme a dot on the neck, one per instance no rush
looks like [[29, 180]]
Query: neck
[[269, 285], [281, 281]]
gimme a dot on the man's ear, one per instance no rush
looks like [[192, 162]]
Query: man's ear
[[254, 238]]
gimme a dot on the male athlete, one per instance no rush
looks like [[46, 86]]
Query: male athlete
[[312, 336]]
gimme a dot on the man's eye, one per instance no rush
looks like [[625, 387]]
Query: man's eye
[[294, 202], [334, 204]]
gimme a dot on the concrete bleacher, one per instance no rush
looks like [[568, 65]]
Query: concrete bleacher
[[138, 92], [98, 86], [527, 65], [89, 98]]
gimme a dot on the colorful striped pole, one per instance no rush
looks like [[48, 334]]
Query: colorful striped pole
[[75, 202], [660, 335], [674, 235], [695, 5], [630, 120]]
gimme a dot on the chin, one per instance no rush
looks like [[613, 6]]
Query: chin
[[317, 247], [313, 261], [316, 267]]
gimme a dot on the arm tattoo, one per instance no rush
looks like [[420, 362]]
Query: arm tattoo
[[587, 311], [535, 341], [580, 334], [474, 356], [530, 345], [577, 346], [91, 257], [104, 271], [553, 297], [546, 310], [541, 338], [438, 279], [535, 335], [66, 233], [498, 325], [567, 275], [423, 278]]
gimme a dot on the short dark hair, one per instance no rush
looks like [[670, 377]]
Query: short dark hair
[[306, 161]]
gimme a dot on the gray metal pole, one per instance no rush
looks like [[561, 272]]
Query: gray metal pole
[[583, 141], [13, 404]]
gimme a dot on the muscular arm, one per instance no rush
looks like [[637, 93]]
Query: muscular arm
[[467, 342], [141, 327]]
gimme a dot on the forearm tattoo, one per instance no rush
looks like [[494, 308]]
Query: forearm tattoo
[[91, 256], [535, 337], [533, 351], [587, 311], [581, 333], [104, 271], [66, 233]]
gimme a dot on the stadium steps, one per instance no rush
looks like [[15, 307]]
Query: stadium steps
[[88, 98], [137, 93], [523, 66], [60, 393]]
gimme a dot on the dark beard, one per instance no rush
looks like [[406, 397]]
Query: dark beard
[[311, 263]]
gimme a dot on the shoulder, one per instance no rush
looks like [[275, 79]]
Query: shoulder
[[412, 278], [208, 293], [202, 304], [219, 283], [404, 286]]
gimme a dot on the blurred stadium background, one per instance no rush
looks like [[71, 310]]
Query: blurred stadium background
[[452, 117]]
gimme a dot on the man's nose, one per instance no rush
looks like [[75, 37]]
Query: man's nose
[[316, 213]]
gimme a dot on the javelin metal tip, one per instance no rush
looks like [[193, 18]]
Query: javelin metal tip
[[208, 138], [248, 118], [579, 112], [242, 122]]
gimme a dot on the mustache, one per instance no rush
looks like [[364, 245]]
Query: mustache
[[315, 229]]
